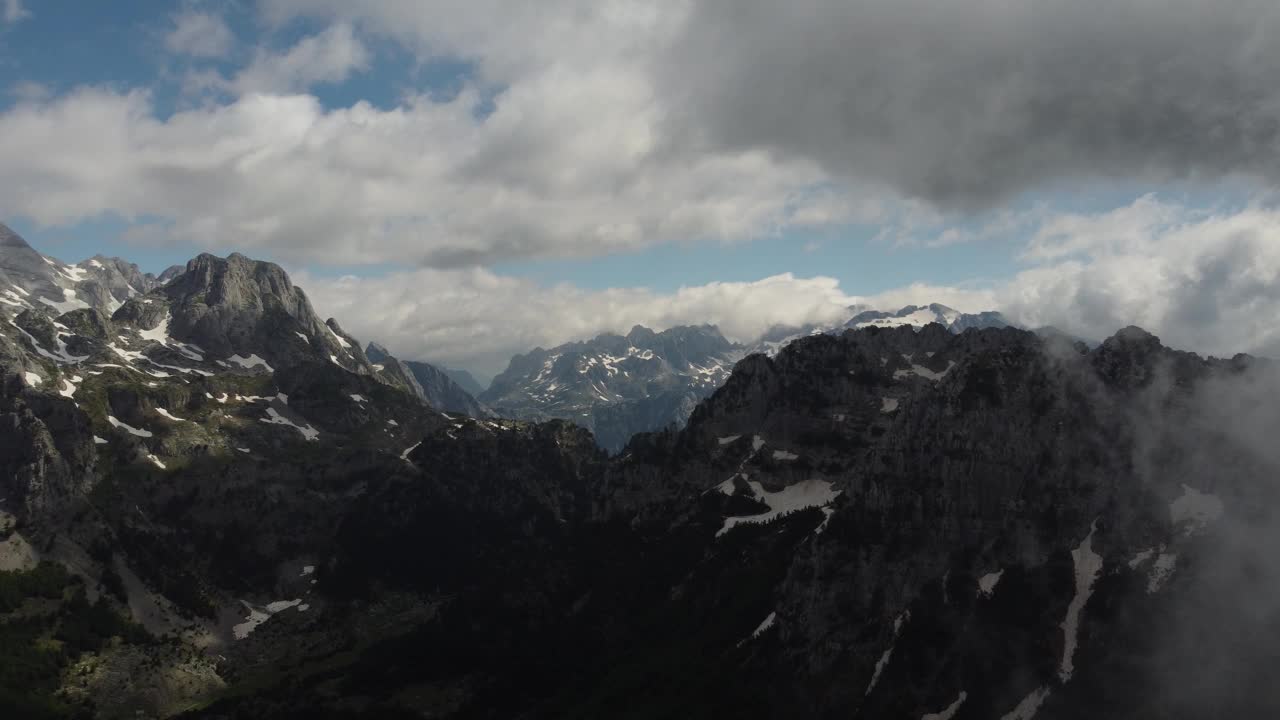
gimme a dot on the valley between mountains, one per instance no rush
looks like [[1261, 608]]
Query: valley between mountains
[[214, 504]]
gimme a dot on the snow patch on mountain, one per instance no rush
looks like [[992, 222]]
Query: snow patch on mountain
[[1088, 566], [59, 355], [918, 318], [923, 372], [275, 418], [1161, 570], [763, 626], [1029, 706], [950, 710], [987, 583], [160, 334], [250, 362], [805, 494], [887, 655], [259, 615], [340, 340], [68, 303], [127, 428], [1194, 509]]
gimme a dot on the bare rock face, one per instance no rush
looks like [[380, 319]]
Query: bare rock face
[[89, 323], [387, 364], [442, 392], [235, 305], [46, 454]]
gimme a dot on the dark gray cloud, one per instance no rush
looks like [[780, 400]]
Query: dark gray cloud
[[965, 103]]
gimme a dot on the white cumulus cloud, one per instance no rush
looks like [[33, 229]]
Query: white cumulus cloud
[[479, 319], [1202, 280], [562, 169], [1205, 280]]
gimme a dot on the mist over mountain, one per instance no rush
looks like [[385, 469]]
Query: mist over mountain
[[465, 380]]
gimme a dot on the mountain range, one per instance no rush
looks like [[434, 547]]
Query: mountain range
[[617, 386], [216, 505]]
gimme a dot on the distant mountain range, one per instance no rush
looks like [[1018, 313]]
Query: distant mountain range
[[617, 386], [918, 316]]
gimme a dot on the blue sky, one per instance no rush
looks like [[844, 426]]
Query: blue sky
[[606, 164], [122, 45]]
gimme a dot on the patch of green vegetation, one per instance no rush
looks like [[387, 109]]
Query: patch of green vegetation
[[48, 635], [46, 580]]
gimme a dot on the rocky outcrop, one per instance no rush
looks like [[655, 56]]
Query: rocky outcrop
[[46, 455], [236, 305]]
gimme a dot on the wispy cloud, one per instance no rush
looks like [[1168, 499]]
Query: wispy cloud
[[199, 34], [330, 56], [13, 11]]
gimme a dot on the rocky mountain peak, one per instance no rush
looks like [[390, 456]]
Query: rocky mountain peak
[[640, 334], [236, 281], [28, 279], [11, 239], [1133, 337], [170, 273], [1133, 358], [332, 324], [921, 315], [243, 307]]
